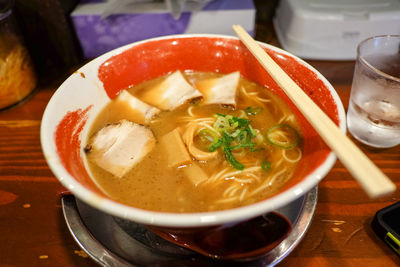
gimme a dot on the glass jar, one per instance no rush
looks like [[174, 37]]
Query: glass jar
[[17, 75]]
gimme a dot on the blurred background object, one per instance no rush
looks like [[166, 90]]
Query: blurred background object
[[49, 35], [265, 11], [17, 75], [61, 34], [331, 30], [104, 25]]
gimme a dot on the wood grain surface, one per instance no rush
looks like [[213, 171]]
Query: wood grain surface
[[33, 231]]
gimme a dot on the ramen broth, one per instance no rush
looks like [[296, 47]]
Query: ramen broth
[[267, 166]]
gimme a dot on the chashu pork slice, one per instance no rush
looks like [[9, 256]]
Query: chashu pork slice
[[222, 90], [171, 93], [137, 110], [118, 147]]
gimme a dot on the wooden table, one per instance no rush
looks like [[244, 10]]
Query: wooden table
[[33, 231]]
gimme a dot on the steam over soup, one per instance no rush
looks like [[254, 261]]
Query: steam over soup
[[194, 141]]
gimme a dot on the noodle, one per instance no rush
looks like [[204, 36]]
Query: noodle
[[242, 195], [230, 191], [254, 96], [190, 119], [189, 110], [238, 164], [188, 136], [263, 99], [292, 160], [268, 182], [207, 126]]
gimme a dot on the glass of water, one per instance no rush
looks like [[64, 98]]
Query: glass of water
[[373, 116]]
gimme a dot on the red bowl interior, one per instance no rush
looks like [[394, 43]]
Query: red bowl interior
[[148, 60]]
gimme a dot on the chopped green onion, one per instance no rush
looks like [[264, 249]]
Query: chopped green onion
[[226, 123], [208, 135], [221, 124], [251, 131], [226, 140], [252, 149], [236, 133], [287, 131], [232, 129], [266, 165], [233, 124], [236, 164], [242, 137], [241, 121], [253, 111], [216, 145]]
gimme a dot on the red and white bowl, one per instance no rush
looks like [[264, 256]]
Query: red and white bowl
[[78, 100]]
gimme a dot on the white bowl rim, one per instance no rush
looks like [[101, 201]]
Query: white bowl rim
[[183, 220]]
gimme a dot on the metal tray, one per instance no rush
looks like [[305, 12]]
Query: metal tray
[[112, 241]]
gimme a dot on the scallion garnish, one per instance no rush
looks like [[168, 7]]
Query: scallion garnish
[[266, 165], [228, 155], [226, 142], [251, 131], [208, 135], [232, 129], [253, 111], [216, 145], [283, 136]]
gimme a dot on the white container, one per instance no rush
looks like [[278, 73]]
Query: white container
[[331, 30]]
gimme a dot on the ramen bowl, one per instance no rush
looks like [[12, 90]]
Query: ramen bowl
[[74, 106]]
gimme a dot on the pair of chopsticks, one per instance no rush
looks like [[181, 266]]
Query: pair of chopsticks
[[372, 180]]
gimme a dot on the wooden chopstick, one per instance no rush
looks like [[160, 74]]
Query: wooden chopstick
[[372, 180]]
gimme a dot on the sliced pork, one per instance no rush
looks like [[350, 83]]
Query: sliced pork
[[137, 109], [118, 147], [222, 90], [171, 93]]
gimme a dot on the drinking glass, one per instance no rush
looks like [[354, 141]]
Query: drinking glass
[[373, 116]]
